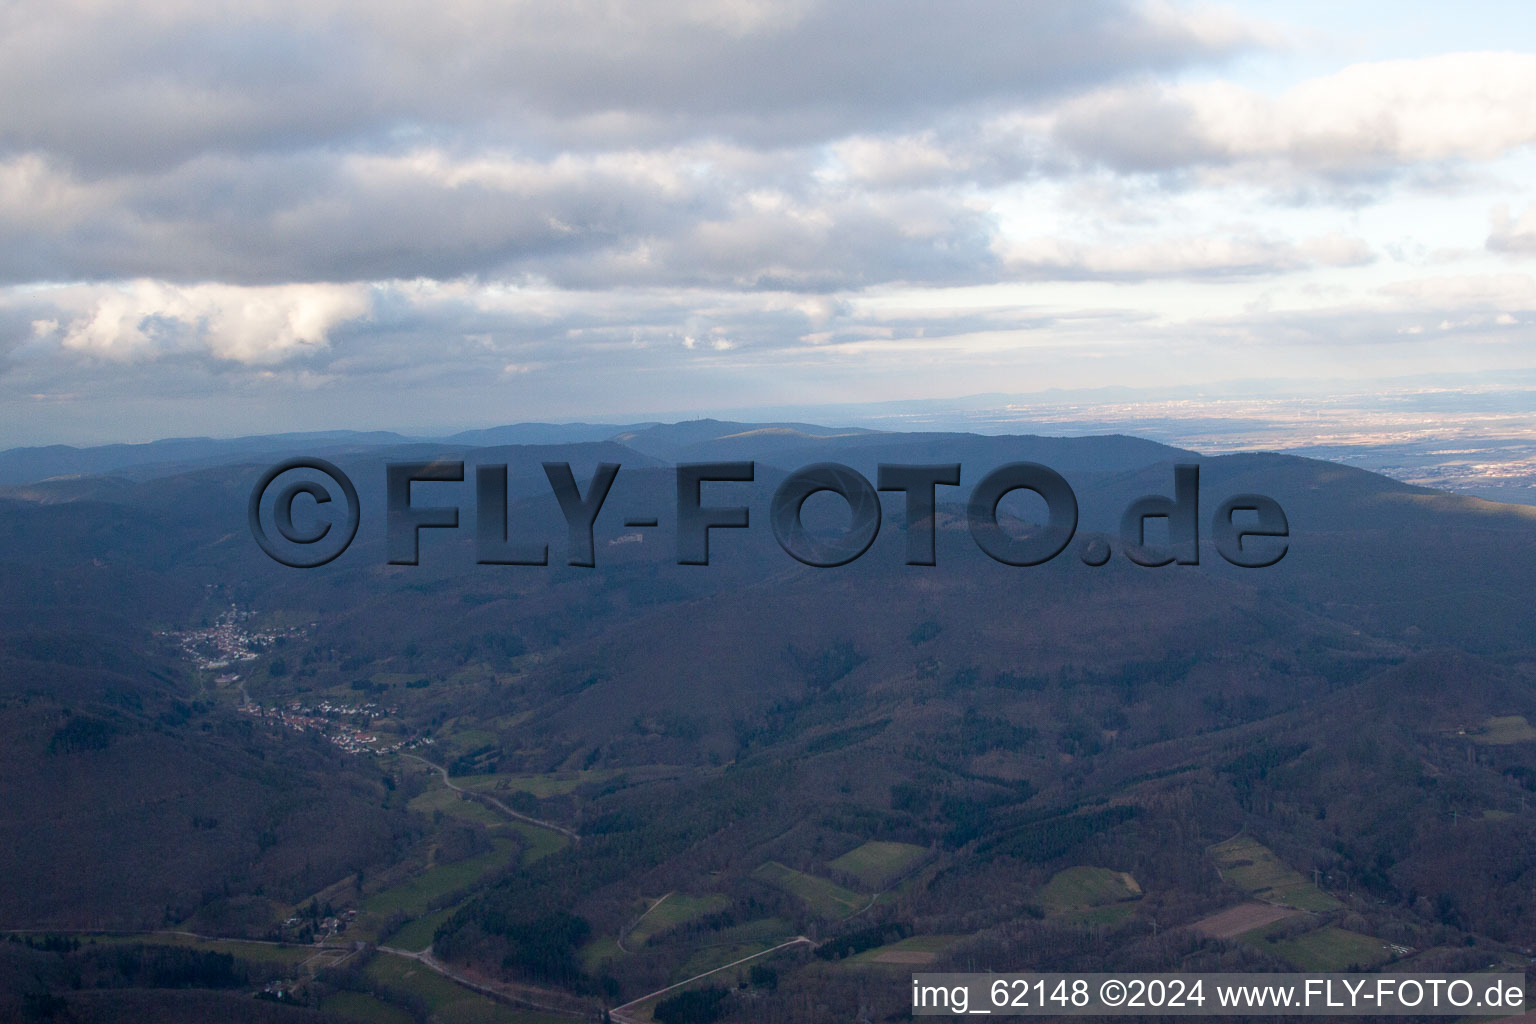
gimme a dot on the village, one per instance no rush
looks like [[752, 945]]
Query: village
[[330, 719], [228, 641], [231, 640]]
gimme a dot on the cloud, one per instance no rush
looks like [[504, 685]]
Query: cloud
[[1246, 254], [1367, 119], [153, 84], [586, 143], [1515, 236], [588, 200], [145, 319], [695, 216]]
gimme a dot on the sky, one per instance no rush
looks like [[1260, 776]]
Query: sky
[[279, 215]]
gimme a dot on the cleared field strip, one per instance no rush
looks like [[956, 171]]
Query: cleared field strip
[[824, 897], [1084, 888], [914, 950], [1245, 917], [415, 894], [1503, 730], [878, 863], [1249, 865]]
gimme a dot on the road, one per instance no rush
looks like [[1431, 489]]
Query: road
[[487, 798], [636, 923], [617, 1013]]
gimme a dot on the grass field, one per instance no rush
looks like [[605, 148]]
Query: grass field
[[710, 957], [1250, 866], [538, 843], [541, 786], [1326, 949], [471, 739], [1110, 916], [1084, 888], [441, 798], [447, 1002], [597, 950], [877, 864], [416, 934], [825, 898], [1503, 730], [413, 896], [672, 911], [362, 1007], [1241, 919], [768, 930], [255, 952]]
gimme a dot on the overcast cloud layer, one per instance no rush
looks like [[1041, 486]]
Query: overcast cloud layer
[[225, 218]]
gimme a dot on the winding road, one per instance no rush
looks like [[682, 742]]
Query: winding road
[[636, 922], [487, 798]]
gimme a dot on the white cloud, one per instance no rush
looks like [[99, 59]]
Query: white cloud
[[1465, 293], [1365, 119], [1513, 235], [145, 319], [1168, 256]]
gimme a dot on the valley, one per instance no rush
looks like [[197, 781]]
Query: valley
[[754, 790]]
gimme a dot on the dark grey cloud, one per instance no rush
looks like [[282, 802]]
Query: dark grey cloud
[[583, 143], [153, 84], [578, 221]]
